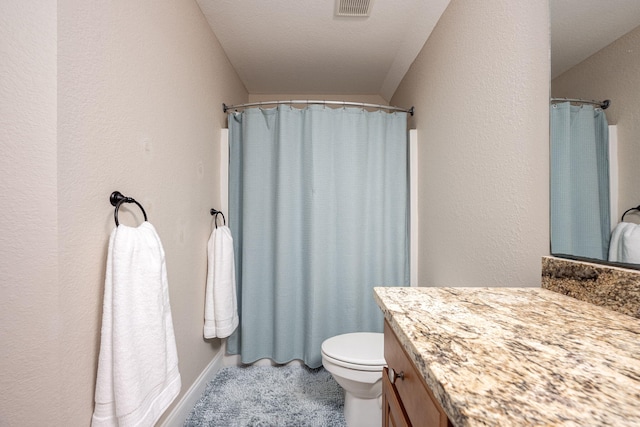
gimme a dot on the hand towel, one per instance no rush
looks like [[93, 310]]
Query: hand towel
[[221, 305], [138, 375], [630, 248], [624, 245], [615, 243]]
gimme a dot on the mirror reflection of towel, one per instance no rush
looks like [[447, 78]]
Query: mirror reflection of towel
[[625, 243]]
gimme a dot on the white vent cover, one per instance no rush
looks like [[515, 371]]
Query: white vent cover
[[353, 8]]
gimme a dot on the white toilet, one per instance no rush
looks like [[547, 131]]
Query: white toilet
[[355, 361]]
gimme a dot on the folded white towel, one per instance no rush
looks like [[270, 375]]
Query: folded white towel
[[221, 304], [138, 375], [624, 245]]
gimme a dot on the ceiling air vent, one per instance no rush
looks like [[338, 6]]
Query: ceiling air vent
[[353, 8]]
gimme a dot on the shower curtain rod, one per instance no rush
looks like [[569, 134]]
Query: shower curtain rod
[[226, 107], [602, 104]]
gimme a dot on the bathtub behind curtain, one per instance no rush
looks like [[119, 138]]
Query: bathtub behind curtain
[[319, 213], [580, 212]]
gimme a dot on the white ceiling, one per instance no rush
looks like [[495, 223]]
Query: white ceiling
[[300, 47]]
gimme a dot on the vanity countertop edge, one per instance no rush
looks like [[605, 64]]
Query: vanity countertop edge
[[519, 356]]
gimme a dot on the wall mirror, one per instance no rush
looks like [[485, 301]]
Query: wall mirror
[[595, 56]]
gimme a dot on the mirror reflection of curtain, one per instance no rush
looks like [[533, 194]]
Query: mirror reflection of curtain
[[318, 210], [580, 216]]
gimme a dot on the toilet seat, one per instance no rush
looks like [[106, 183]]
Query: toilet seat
[[363, 351]]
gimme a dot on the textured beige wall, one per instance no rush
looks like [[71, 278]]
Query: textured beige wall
[[139, 89], [480, 87], [30, 328], [370, 99], [613, 73]]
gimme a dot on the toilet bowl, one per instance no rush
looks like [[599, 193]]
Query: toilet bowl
[[355, 361]]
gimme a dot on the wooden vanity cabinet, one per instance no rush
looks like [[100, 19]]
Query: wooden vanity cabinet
[[406, 398]]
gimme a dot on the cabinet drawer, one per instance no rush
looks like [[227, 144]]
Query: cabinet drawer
[[393, 412], [417, 400]]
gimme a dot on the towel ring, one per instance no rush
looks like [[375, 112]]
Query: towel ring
[[215, 213], [116, 199], [637, 208]]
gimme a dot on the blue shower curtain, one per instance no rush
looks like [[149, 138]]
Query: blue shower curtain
[[580, 212], [318, 208]]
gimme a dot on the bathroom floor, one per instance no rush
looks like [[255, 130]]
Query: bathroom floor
[[270, 396]]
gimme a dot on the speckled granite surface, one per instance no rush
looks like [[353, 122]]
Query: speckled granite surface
[[519, 356], [611, 287]]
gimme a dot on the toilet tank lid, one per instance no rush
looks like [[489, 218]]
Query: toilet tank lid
[[361, 348]]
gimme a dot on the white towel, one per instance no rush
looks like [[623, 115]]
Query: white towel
[[624, 245], [221, 304], [615, 242], [630, 248], [138, 375]]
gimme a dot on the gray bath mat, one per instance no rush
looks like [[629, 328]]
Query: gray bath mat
[[261, 396]]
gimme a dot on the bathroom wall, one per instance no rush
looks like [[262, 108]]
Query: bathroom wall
[[140, 90], [30, 329], [139, 87], [480, 87], [369, 99], [613, 73]]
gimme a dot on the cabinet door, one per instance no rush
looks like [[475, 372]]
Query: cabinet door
[[393, 414]]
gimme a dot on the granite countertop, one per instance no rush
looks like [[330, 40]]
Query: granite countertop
[[519, 356]]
